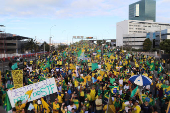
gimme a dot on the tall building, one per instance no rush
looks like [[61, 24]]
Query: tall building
[[134, 32], [144, 10]]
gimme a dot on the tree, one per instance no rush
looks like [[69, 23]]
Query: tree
[[47, 47], [165, 45], [147, 44], [31, 45]]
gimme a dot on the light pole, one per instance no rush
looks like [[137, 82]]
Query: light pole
[[50, 35]]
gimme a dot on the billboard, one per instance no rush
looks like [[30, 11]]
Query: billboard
[[89, 37]]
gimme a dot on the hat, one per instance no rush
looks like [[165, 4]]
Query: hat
[[137, 101], [114, 84], [39, 101], [150, 76]]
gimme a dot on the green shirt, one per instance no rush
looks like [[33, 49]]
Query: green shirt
[[112, 80]]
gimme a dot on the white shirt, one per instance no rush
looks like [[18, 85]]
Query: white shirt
[[70, 84], [120, 82], [70, 108], [148, 87], [126, 87], [120, 92], [127, 104]]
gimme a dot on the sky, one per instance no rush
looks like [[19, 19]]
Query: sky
[[63, 19]]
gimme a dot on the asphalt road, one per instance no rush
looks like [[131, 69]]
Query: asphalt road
[[4, 66]]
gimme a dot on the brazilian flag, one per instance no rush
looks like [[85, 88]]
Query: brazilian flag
[[152, 67], [160, 69]]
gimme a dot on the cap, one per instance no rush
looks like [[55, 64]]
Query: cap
[[39, 101]]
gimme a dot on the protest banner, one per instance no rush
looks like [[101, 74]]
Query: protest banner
[[17, 76], [40, 89]]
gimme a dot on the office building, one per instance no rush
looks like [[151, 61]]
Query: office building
[[11, 43], [138, 29], [157, 37], [144, 10]]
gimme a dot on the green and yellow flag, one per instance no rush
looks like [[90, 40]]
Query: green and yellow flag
[[152, 66], [160, 69], [110, 106]]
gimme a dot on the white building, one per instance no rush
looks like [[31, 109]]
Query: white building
[[138, 29]]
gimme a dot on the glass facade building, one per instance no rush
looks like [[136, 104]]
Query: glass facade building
[[143, 10]]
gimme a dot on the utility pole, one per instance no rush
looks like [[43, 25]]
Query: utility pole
[[51, 37], [44, 47]]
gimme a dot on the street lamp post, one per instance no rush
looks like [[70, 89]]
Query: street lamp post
[[50, 35]]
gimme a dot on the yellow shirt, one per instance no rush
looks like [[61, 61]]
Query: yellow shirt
[[89, 97], [56, 107], [137, 109], [92, 94], [145, 74], [85, 79], [99, 78], [19, 109], [82, 93], [159, 85], [35, 107], [60, 99], [93, 74], [88, 78], [76, 83], [73, 75], [105, 108]]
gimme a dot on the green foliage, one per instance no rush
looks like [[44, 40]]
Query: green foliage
[[99, 42], [165, 45], [31, 45], [47, 47], [147, 44], [62, 47]]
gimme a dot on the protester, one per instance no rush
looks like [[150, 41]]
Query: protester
[[88, 80]]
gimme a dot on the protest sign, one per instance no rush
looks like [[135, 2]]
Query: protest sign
[[40, 89], [17, 76]]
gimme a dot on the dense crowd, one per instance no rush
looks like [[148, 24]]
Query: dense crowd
[[94, 79]]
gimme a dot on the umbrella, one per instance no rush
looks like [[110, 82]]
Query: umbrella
[[140, 80]]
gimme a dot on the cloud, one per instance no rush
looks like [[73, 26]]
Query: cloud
[[61, 8], [73, 8]]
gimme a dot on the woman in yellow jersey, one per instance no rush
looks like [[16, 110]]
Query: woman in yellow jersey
[[20, 106], [56, 106], [137, 108]]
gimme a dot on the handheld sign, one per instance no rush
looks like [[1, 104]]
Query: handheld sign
[[40, 89]]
